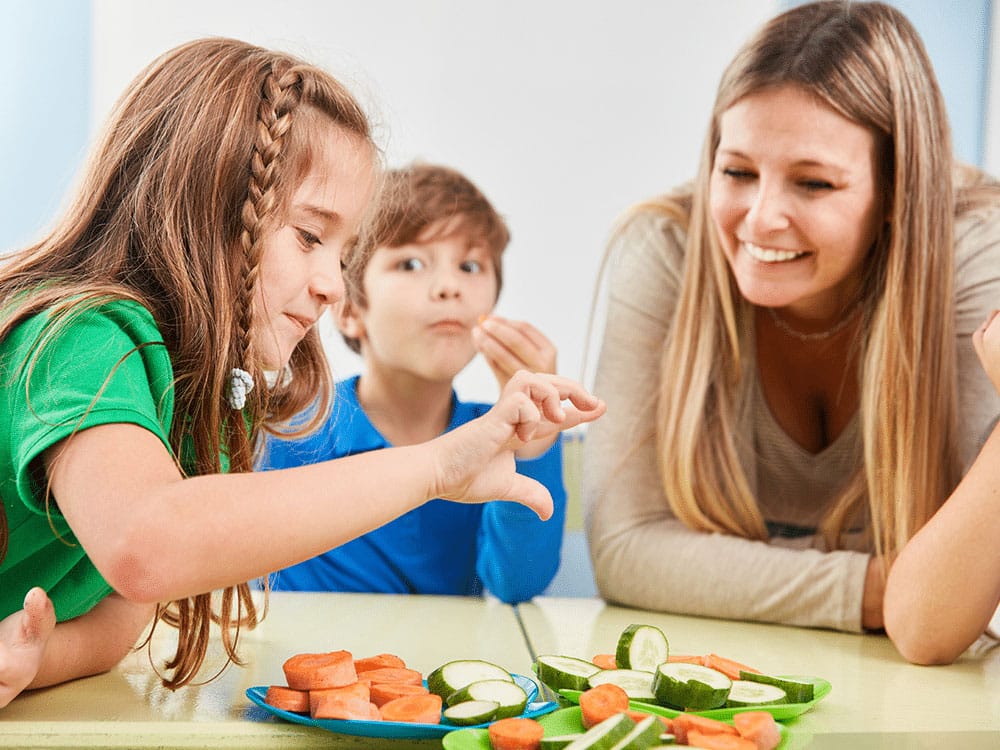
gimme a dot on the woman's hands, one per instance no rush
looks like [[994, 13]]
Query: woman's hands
[[986, 341], [475, 463], [23, 636], [512, 345]]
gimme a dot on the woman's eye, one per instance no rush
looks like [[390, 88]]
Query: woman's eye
[[737, 174], [410, 264], [471, 266], [816, 185]]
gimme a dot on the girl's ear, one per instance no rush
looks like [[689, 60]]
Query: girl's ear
[[348, 320]]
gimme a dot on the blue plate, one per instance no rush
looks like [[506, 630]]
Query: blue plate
[[396, 730]]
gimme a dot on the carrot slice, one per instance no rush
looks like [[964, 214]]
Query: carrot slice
[[420, 709], [728, 667], [759, 727], [384, 675], [344, 707], [383, 692], [682, 724], [287, 699], [604, 661], [354, 690], [516, 734], [718, 741], [602, 702], [316, 671], [638, 716], [378, 661], [687, 659]]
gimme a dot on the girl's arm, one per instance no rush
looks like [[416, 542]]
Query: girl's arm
[[156, 536], [945, 585]]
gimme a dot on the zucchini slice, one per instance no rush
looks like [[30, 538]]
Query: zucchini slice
[[690, 686], [471, 712], [455, 675], [509, 695], [605, 735], [644, 734], [641, 647], [796, 690], [559, 672], [637, 684], [560, 742], [748, 693]]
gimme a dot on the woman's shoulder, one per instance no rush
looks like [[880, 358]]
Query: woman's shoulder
[[657, 226]]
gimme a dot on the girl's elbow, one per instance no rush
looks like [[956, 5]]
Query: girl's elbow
[[137, 578]]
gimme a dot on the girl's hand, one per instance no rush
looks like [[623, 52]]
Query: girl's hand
[[23, 636], [986, 341], [475, 463], [512, 345]]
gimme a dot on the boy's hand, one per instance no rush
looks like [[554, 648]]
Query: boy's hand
[[512, 345], [986, 341], [475, 463], [23, 636]]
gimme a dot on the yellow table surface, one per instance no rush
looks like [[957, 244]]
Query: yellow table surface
[[877, 701]]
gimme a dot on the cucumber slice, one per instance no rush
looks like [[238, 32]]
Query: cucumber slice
[[560, 742], [644, 734], [690, 686], [509, 695], [638, 684], [455, 675], [471, 712], [748, 693], [605, 735], [641, 647], [796, 690], [560, 672]]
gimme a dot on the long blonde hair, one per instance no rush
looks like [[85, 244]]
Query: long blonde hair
[[194, 167], [866, 62]]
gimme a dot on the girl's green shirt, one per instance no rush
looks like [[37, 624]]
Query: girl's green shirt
[[108, 364]]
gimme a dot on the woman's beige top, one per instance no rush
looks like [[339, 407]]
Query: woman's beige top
[[642, 555]]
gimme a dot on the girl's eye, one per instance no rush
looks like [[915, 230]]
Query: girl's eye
[[410, 264], [308, 238], [471, 266]]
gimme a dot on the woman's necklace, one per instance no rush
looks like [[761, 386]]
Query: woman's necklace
[[818, 335]]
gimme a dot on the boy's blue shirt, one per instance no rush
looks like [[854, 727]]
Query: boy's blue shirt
[[442, 547]]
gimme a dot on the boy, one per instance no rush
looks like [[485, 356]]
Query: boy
[[417, 311]]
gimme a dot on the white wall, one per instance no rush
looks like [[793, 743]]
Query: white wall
[[564, 113]]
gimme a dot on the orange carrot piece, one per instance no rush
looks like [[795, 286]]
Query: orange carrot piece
[[316, 671], [759, 727], [385, 675], [728, 667], [718, 741], [638, 716], [419, 708], [604, 661], [383, 692], [378, 661], [344, 707], [687, 659], [682, 724], [602, 702], [516, 734], [354, 690], [287, 699]]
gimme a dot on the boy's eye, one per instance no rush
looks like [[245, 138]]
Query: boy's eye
[[410, 264], [471, 266]]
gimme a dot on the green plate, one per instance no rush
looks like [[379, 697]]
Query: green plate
[[780, 711], [563, 721]]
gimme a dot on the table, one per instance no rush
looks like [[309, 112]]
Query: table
[[878, 701]]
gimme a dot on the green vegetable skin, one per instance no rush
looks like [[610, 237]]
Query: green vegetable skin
[[456, 675], [690, 686], [509, 695], [642, 647], [605, 735], [644, 735], [564, 672], [471, 712], [797, 691]]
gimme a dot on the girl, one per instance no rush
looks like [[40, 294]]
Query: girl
[[789, 340], [206, 240]]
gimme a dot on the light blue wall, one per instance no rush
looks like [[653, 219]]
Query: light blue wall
[[45, 87]]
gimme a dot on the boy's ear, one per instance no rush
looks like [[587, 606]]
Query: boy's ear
[[348, 321]]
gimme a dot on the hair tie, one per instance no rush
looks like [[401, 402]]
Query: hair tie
[[240, 384]]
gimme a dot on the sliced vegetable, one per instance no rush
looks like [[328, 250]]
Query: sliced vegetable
[[378, 661], [642, 736], [748, 693], [602, 702], [382, 693], [455, 675], [343, 706], [796, 690], [354, 690], [685, 723], [638, 685], [420, 709], [604, 661], [471, 712], [559, 742], [759, 727], [690, 686], [315, 671], [509, 695], [718, 741], [728, 667], [559, 672], [384, 675], [603, 736], [287, 699], [641, 647], [515, 734]]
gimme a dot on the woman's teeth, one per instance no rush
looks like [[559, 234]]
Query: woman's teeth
[[767, 255]]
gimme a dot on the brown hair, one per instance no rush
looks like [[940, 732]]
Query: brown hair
[[194, 167], [866, 62], [413, 199]]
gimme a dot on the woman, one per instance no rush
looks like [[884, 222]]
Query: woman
[[791, 384]]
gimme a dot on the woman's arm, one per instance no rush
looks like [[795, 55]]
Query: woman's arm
[[155, 536], [642, 555]]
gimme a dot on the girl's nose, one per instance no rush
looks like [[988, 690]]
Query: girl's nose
[[327, 283]]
